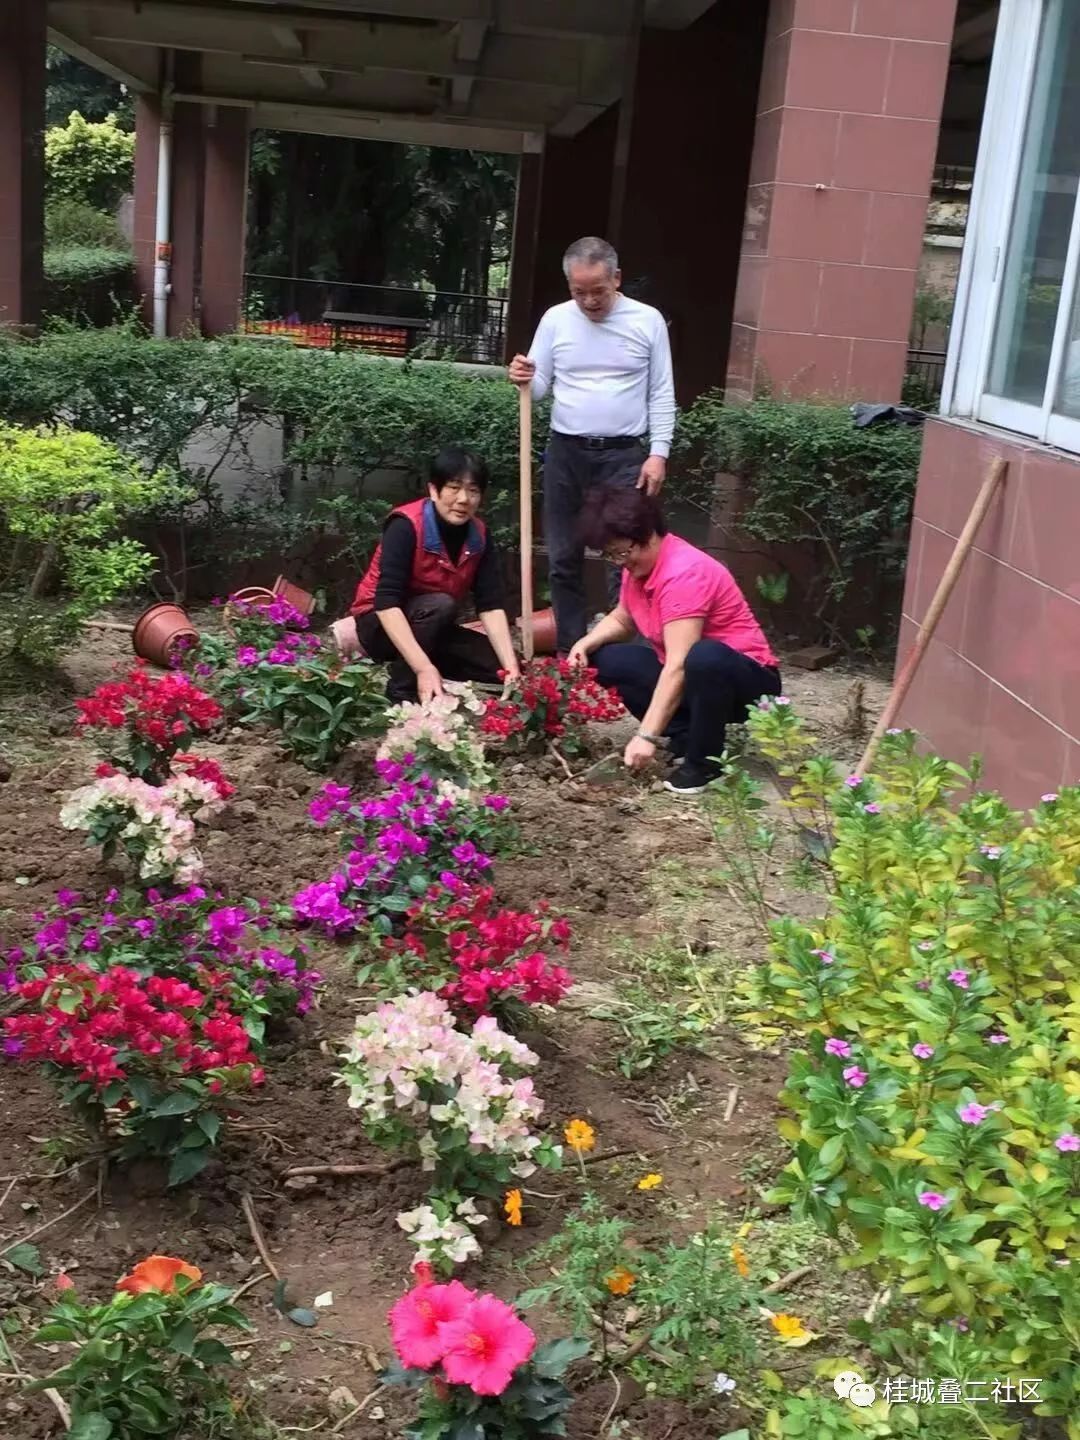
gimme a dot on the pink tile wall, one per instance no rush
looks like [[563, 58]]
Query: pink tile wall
[[848, 114], [1002, 675]]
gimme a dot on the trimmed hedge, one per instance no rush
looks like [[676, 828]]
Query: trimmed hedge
[[88, 284]]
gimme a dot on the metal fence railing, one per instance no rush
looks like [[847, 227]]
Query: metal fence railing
[[924, 378], [384, 319]]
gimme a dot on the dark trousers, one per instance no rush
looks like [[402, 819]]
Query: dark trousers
[[457, 653], [721, 683], [570, 471]]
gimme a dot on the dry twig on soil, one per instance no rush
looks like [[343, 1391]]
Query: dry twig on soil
[[248, 1207]]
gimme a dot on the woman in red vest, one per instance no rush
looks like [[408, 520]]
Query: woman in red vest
[[434, 553]]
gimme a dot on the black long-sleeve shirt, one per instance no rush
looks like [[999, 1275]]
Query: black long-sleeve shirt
[[399, 547]]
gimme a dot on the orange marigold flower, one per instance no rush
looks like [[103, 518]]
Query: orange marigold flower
[[620, 1281], [740, 1260], [512, 1207], [158, 1272], [650, 1182], [788, 1327], [580, 1136]]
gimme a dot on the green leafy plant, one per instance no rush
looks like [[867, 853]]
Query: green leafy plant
[[812, 479], [91, 161], [932, 1109], [773, 588], [63, 496], [146, 1362], [89, 284]]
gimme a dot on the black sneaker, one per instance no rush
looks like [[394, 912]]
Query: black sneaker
[[691, 779]]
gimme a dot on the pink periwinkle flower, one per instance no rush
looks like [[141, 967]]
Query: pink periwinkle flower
[[782, 700], [923, 984], [992, 852], [825, 956], [837, 1047], [853, 782], [960, 979], [922, 1051], [997, 1038], [1068, 1141], [485, 1346], [247, 656], [973, 1114], [933, 1200], [872, 809], [855, 1077], [925, 945], [1049, 798]]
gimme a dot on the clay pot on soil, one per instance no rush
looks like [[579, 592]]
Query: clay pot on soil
[[543, 632], [301, 600], [158, 630]]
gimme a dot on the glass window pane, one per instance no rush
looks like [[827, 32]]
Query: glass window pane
[[1046, 198]]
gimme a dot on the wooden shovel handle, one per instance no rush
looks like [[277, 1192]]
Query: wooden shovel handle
[[946, 585], [525, 478]]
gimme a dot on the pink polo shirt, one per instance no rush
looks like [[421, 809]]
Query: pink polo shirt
[[684, 584]]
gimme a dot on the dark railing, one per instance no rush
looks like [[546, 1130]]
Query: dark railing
[[384, 319], [924, 378]]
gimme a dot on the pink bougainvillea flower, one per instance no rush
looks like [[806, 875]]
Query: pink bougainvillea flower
[[485, 1346], [1068, 1141], [416, 1318], [922, 1051], [973, 1114], [960, 979], [855, 1077], [837, 1047], [933, 1200]]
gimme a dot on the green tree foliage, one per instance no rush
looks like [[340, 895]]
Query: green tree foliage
[[71, 85], [91, 161]]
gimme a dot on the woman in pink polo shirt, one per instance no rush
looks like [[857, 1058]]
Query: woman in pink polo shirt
[[706, 659]]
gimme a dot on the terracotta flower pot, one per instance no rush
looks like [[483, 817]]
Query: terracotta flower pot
[[543, 632], [157, 631], [301, 600]]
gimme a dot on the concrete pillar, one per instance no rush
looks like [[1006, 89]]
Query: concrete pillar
[[519, 309], [22, 174], [575, 200], [225, 188], [187, 218], [848, 115]]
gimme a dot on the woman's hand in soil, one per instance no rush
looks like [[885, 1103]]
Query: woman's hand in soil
[[579, 655], [639, 753], [428, 684]]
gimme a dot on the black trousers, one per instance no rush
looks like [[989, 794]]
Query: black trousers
[[457, 653], [570, 471], [721, 684]]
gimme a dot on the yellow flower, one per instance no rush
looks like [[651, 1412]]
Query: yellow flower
[[512, 1206], [580, 1136], [650, 1182], [740, 1261], [789, 1327], [620, 1281]]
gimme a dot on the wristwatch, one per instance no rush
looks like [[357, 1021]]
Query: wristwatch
[[660, 740]]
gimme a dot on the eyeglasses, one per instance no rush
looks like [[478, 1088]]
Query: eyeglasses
[[618, 554]]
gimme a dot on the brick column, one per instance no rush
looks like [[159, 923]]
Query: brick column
[[144, 206], [848, 117], [22, 175], [224, 238], [188, 170]]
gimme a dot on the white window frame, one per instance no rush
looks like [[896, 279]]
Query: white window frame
[[994, 202]]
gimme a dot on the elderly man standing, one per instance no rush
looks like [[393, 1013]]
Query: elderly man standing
[[608, 362]]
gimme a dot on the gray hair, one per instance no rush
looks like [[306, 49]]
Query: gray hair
[[590, 250]]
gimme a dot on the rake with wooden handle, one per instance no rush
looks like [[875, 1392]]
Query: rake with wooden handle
[[525, 478], [946, 585]]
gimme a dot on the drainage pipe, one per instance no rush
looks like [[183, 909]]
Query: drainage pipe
[[163, 223]]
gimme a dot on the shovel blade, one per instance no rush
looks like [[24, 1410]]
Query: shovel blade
[[607, 771]]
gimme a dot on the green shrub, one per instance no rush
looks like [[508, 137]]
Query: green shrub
[[88, 283], [63, 497], [812, 478], [934, 1107], [74, 222], [92, 161], [154, 398]]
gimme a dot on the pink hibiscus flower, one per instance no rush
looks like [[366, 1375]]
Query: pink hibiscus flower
[[416, 1319], [485, 1346]]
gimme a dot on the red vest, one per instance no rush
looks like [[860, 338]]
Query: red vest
[[433, 572]]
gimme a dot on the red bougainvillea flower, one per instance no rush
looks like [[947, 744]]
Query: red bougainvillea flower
[[485, 1346], [415, 1320], [158, 1272]]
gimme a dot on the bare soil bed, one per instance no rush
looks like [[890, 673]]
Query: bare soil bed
[[630, 867]]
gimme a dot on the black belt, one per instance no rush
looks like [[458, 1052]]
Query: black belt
[[599, 442]]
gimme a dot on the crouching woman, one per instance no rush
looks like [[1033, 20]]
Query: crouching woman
[[706, 659]]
